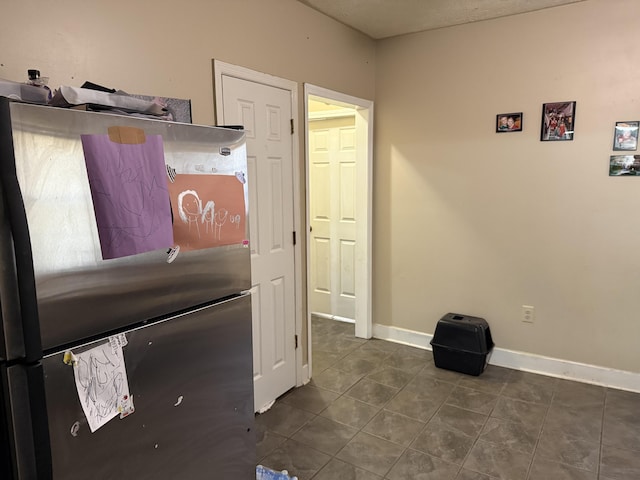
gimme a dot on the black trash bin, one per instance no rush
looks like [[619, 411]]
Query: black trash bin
[[462, 343]]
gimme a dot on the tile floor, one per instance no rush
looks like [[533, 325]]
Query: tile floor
[[379, 410]]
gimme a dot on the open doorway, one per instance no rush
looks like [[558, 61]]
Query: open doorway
[[339, 159]]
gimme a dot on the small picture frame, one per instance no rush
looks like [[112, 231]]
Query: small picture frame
[[624, 165], [509, 122], [626, 136], [558, 121]]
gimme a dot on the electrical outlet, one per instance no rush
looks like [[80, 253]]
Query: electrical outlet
[[528, 313]]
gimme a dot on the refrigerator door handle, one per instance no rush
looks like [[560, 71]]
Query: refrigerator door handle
[[17, 217]]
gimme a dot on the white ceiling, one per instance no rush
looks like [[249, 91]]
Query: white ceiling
[[387, 18]]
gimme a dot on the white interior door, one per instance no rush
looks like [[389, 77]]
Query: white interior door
[[363, 202], [265, 113], [332, 204]]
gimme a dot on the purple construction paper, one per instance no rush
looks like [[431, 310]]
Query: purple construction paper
[[130, 196]]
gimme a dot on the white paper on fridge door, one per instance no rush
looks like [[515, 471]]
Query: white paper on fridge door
[[101, 381]]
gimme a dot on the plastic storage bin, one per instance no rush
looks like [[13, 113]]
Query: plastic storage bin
[[462, 343]]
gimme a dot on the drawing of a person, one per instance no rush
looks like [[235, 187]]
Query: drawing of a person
[[190, 208], [207, 216], [220, 219]]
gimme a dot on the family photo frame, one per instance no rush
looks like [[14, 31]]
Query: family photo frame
[[509, 122], [558, 121], [626, 136], [624, 165]]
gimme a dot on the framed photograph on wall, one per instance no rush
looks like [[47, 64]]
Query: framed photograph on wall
[[624, 165], [509, 122], [558, 121], [626, 136]]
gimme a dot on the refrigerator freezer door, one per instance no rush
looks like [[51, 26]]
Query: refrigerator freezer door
[[81, 295], [23, 424], [190, 378]]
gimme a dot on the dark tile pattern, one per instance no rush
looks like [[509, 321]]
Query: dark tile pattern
[[296, 458], [350, 411], [335, 380], [514, 435], [439, 441], [419, 465], [337, 469], [378, 410], [371, 453], [394, 427], [267, 441], [325, 435]]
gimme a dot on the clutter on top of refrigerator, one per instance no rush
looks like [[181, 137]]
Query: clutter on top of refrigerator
[[23, 91], [97, 98]]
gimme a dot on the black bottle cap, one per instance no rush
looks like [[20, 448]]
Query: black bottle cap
[[33, 74]]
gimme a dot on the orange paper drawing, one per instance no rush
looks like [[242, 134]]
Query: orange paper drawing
[[208, 211]]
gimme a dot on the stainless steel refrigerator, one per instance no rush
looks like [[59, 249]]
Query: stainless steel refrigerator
[[125, 329]]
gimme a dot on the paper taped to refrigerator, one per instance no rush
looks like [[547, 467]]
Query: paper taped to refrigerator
[[128, 184], [208, 211], [101, 381]]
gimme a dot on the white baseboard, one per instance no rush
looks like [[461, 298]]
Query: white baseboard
[[403, 336], [527, 362]]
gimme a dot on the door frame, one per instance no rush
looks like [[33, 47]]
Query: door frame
[[236, 71], [364, 209]]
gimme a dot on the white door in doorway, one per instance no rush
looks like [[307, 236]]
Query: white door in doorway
[[265, 113], [363, 110], [332, 205]]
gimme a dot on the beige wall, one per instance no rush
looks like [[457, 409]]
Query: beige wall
[[165, 47], [475, 222]]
